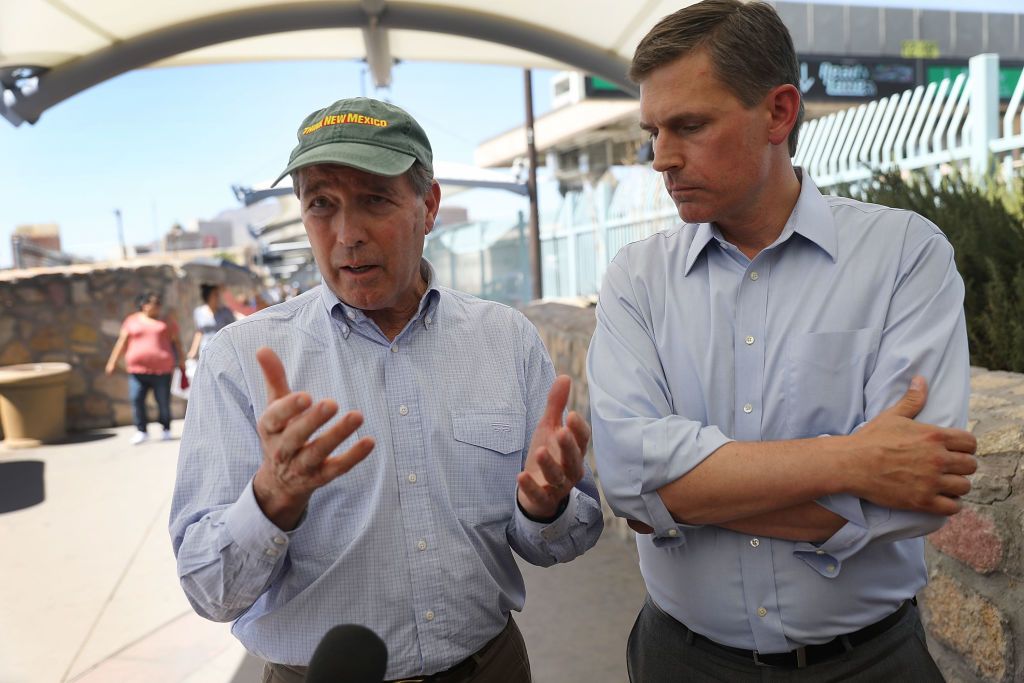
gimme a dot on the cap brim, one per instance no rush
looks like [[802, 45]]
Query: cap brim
[[369, 158]]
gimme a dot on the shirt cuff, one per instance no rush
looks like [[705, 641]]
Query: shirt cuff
[[827, 558], [252, 531], [668, 533], [557, 528]]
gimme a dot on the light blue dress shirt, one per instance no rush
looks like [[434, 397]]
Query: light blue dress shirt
[[416, 541], [697, 345]]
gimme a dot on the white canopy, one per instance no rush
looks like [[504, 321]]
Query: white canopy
[[72, 45]]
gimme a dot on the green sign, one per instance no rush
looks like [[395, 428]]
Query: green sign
[[1008, 76], [595, 86]]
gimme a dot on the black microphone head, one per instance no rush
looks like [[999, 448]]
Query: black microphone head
[[348, 653]]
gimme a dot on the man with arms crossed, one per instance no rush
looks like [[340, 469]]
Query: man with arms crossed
[[728, 347], [402, 515]]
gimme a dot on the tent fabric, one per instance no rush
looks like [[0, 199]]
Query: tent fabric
[[78, 43], [47, 33]]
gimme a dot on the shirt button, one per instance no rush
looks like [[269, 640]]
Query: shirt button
[[412, 477], [754, 542], [749, 340], [830, 568], [762, 612], [747, 408], [344, 329], [421, 544], [279, 540], [402, 410], [429, 616], [272, 552], [673, 532], [351, 315], [394, 348], [754, 275], [819, 552]]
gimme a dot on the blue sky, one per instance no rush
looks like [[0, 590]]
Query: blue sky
[[165, 145]]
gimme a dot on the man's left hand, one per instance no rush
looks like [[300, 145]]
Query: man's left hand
[[554, 463]]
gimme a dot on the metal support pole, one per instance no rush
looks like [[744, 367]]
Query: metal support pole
[[531, 186], [120, 235]]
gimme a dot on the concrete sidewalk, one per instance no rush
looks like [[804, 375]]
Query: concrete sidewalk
[[89, 592]]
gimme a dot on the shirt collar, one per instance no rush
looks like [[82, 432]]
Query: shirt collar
[[350, 316], [811, 218]]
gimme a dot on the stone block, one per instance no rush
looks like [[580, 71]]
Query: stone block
[[95, 406], [57, 293], [1005, 441], [970, 624], [83, 334], [993, 481], [123, 413], [15, 353], [972, 537], [981, 402], [7, 327], [30, 295], [80, 292], [46, 338], [993, 381]]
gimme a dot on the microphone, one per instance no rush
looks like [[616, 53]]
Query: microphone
[[348, 653]]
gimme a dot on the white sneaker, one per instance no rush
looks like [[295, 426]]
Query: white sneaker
[[166, 436], [139, 437]]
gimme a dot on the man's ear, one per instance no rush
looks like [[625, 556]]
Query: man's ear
[[433, 201], [783, 105]]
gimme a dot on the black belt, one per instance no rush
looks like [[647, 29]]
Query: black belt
[[812, 654]]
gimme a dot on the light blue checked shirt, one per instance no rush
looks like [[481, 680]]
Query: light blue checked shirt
[[697, 345], [416, 541]]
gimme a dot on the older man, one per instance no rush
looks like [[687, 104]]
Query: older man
[[728, 346], [402, 515]]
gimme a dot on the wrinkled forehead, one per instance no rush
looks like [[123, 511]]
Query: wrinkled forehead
[[336, 176]]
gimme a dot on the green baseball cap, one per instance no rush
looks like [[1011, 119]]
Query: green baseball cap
[[370, 135]]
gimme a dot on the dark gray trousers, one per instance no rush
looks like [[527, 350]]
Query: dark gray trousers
[[661, 650], [502, 660]]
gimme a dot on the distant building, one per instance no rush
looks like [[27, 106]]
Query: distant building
[[38, 245], [214, 233], [179, 239]]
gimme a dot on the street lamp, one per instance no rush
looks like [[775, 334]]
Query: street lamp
[[120, 235]]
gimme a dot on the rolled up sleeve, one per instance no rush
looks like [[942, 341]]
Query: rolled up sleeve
[[639, 442]]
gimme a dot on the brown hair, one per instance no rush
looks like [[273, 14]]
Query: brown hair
[[749, 46]]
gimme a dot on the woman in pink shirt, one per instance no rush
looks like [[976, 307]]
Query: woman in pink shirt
[[150, 345]]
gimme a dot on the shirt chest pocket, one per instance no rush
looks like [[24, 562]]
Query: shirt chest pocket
[[825, 377], [485, 459]]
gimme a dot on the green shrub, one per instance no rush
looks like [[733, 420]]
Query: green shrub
[[986, 230]]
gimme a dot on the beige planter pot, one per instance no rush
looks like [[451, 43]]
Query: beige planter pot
[[33, 403]]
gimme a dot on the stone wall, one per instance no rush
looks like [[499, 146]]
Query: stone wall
[[73, 314], [973, 607]]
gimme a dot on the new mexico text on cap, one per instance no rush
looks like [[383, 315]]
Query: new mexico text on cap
[[367, 134]]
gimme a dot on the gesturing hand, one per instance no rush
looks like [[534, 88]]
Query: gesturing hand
[[554, 463], [913, 465], [293, 465]]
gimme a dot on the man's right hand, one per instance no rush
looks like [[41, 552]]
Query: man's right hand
[[899, 463], [294, 466]]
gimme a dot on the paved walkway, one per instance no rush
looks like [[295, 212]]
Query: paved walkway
[[89, 593]]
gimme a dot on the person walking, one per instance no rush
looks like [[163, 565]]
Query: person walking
[[150, 346], [209, 318]]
